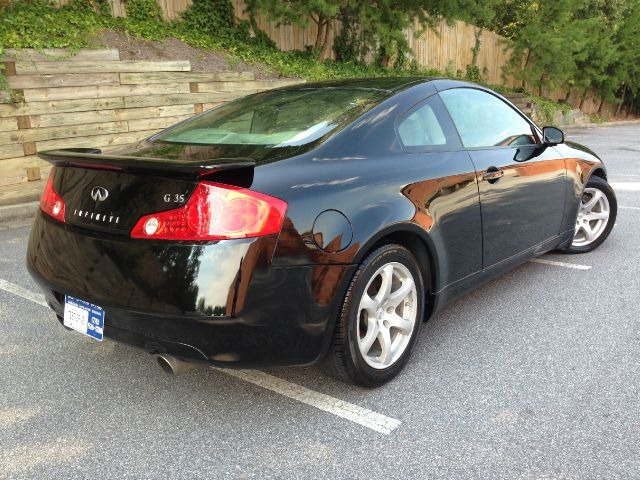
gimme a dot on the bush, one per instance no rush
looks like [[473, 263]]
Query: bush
[[216, 19], [143, 10]]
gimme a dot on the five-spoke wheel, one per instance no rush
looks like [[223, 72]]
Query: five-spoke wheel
[[592, 217], [380, 318], [387, 315], [596, 216]]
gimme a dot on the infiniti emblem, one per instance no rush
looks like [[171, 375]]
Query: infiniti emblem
[[99, 194]]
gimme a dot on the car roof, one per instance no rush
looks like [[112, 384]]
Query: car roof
[[389, 84]]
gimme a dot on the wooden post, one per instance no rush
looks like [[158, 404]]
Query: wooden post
[[33, 174]]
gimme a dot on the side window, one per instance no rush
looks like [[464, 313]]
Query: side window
[[427, 128], [483, 120]]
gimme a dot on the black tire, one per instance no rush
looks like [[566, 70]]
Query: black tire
[[601, 185], [344, 359]]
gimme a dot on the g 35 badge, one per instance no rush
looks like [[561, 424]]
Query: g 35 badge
[[174, 198]]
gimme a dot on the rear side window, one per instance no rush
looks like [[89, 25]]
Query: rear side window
[[426, 127], [484, 120]]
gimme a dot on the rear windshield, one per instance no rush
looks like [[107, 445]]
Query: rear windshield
[[278, 118]]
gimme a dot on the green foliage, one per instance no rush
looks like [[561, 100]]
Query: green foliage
[[7, 94], [473, 73], [375, 26], [143, 10], [87, 6], [582, 45], [547, 109], [301, 12], [214, 18], [348, 45], [36, 24]]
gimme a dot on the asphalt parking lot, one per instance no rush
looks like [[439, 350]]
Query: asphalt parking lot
[[532, 376]]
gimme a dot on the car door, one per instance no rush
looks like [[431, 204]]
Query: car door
[[521, 183], [444, 190]]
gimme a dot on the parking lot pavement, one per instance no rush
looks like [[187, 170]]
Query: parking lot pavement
[[532, 376]]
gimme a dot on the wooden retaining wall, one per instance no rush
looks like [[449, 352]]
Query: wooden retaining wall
[[94, 99]]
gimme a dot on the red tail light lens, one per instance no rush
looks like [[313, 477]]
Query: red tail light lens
[[215, 212], [51, 203]]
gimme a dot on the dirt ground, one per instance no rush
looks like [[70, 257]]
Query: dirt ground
[[132, 48]]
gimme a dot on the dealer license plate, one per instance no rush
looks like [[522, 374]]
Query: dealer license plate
[[84, 317]]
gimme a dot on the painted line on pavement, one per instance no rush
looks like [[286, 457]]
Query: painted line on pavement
[[349, 411], [22, 292], [561, 264], [628, 208], [626, 186], [623, 175]]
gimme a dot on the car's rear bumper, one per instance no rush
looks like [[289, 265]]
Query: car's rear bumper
[[221, 303]]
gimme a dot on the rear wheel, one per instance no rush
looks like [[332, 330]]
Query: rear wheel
[[596, 216], [380, 318]]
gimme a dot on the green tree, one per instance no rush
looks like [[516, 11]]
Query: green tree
[[301, 12], [596, 61], [384, 22], [546, 41], [373, 25], [627, 65], [584, 45]]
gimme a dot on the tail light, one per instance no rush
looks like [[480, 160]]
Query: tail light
[[215, 212], [51, 203]]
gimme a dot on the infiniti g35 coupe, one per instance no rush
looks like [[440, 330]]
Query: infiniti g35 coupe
[[318, 222]]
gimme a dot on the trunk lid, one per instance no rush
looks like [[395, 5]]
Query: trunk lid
[[109, 193]]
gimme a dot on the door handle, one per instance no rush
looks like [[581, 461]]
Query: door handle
[[492, 175]]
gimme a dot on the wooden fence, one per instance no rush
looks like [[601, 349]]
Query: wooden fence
[[95, 100], [448, 46]]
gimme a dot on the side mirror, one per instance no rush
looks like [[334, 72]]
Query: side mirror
[[552, 136]]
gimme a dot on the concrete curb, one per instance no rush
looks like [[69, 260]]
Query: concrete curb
[[603, 124], [19, 211]]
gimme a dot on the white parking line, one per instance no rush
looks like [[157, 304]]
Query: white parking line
[[561, 264], [626, 186], [349, 411], [624, 175], [22, 292], [628, 208]]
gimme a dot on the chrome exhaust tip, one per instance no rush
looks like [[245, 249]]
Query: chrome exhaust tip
[[172, 365]]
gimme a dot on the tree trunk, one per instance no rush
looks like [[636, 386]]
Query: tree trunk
[[541, 84], [325, 43], [320, 23], [584, 97], [624, 93], [600, 106], [526, 63], [568, 95]]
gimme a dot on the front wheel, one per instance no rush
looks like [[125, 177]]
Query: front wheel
[[380, 318], [596, 216]]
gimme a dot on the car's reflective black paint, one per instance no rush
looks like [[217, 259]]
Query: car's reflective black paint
[[273, 300]]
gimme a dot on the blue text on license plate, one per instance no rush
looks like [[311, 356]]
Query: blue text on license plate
[[84, 317]]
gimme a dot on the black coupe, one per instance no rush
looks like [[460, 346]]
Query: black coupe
[[321, 221]]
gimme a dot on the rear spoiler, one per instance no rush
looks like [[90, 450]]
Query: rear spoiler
[[94, 158]]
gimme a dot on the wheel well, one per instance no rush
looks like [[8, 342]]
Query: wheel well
[[419, 249], [599, 172]]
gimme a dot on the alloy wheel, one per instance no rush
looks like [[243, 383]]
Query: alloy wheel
[[593, 217], [387, 315]]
